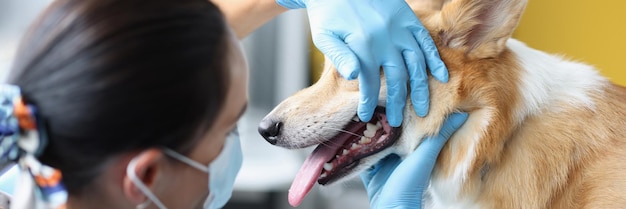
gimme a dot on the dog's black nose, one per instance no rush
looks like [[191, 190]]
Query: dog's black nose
[[270, 129]]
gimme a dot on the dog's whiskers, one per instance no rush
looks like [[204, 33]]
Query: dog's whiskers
[[343, 131], [328, 143]]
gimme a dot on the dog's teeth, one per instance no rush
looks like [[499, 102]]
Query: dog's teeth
[[323, 175], [271, 138], [336, 156], [379, 125], [371, 126], [370, 130], [354, 146], [345, 152], [328, 166], [356, 119], [369, 133], [365, 140]]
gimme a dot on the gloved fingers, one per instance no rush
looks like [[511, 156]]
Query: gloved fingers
[[418, 81], [452, 123], [431, 146], [413, 174], [368, 174], [376, 177], [385, 167], [369, 87], [291, 4], [339, 53], [400, 202], [396, 80], [437, 68], [405, 186], [352, 65]]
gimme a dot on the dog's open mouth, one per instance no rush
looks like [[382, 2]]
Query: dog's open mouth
[[338, 156]]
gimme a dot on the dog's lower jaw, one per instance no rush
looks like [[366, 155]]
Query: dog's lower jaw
[[363, 165]]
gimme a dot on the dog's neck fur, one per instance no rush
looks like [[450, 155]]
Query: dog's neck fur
[[480, 162]]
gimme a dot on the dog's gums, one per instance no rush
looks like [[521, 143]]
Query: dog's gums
[[376, 136], [338, 156]]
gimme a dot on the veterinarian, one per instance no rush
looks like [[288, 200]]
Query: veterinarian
[[134, 104]]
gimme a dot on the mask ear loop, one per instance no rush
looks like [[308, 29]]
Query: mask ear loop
[[186, 160], [130, 171], [194, 164], [144, 205]]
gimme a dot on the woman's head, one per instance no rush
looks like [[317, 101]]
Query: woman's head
[[119, 78]]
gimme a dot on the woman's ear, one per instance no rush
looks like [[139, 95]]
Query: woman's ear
[[147, 165]]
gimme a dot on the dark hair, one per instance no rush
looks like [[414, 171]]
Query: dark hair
[[113, 76]]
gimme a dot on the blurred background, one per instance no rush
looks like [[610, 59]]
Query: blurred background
[[283, 61]]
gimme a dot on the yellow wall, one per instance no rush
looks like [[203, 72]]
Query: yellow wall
[[590, 31], [317, 63]]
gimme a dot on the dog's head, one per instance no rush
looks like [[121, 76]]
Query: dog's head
[[471, 36]]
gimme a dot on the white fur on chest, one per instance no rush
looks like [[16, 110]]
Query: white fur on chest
[[549, 82]]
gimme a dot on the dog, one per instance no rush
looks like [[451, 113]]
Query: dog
[[542, 131]]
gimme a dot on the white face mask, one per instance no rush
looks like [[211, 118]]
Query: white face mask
[[222, 173]]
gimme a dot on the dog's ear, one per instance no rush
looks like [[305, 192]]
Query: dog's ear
[[481, 27]]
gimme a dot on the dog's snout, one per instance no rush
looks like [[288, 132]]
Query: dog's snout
[[270, 129]]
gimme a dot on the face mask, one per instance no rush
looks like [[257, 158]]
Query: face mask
[[222, 173]]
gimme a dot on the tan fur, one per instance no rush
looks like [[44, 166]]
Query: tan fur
[[562, 156], [566, 159], [426, 4]]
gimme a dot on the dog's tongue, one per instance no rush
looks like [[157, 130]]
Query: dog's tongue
[[311, 169]]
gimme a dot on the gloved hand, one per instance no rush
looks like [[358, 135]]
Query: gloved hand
[[360, 36], [394, 183]]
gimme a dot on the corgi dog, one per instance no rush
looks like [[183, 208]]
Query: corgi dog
[[542, 131]]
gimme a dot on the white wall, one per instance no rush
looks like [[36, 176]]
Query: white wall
[[15, 17]]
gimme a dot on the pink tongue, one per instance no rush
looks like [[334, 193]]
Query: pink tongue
[[311, 169]]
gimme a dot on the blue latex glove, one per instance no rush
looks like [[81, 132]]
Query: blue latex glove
[[360, 36], [393, 183]]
